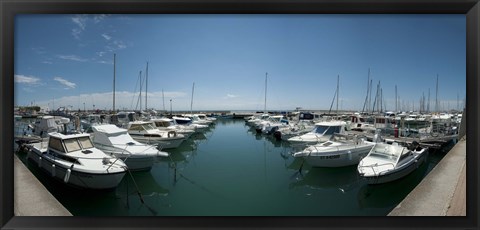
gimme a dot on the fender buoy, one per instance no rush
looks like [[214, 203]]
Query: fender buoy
[[67, 176], [53, 170], [39, 162], [350, 155]]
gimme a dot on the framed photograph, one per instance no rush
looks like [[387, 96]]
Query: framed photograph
[[260, 114]]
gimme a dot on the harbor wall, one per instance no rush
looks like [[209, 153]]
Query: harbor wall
[[443, 191], [31, 198]]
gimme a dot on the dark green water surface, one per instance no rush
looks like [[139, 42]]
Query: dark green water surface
[[232, 171]]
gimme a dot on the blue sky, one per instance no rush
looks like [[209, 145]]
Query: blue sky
[[67, 60]]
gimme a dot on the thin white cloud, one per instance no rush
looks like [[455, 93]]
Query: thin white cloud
[[105, 62], [81, 22], [76, 33], [98, 18], [123, 100], [30, 80], [39, 50], [107, 37], [70, 85], [47, 62], [115, 45], [231, 96], [120, 44], [72, 58]]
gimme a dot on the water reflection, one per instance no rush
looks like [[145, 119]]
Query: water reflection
[[388, 195], [344, 179]]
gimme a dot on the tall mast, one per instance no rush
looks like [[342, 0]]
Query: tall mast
[[338, 82], [265, 105], [428, 103], [396, 99], [191, 102], [114, 83], [368, 89], [370, 94], [146, 85], [381, 100], [140, 97], [436, 97], [163, 99]]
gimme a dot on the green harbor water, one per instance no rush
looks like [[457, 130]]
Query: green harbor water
[[232, 171]]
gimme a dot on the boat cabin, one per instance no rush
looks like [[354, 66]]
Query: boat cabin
[[164, 122], [60, 145]]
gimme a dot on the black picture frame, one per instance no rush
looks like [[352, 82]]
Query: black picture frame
[[9, 8]]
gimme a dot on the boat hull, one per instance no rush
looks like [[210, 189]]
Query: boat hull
[[397, 174], [96, 181], [134, 162], [163, 143], [338, 158]]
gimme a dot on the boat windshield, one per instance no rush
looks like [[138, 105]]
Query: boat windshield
[[85, 142], [327, 130], [148, 127], [320, 129], [56, 144], [384, 153], [72, 144], [162, 123]]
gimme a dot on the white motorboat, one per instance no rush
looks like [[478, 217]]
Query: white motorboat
[[385, 163], [182, 120], [48, 124], [197, 120], [187, 122], [320, 133], [292, 130], [205, 117], [272, 124], [73, 159], [253, 121], [116, 141], [145, 132], [339, 151], [360, 123], [167, 124]]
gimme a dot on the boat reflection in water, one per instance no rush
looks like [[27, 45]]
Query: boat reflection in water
[[344, 179], [380, 195]]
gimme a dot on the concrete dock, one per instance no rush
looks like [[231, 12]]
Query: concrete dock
[[31, 198], [443, 191]]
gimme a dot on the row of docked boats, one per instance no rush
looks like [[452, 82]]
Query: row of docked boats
[[327, 143], [94, 154]]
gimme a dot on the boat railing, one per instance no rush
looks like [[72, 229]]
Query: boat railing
[[373, 166]]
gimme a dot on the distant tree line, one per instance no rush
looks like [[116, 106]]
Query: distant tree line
[[29, 108]]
